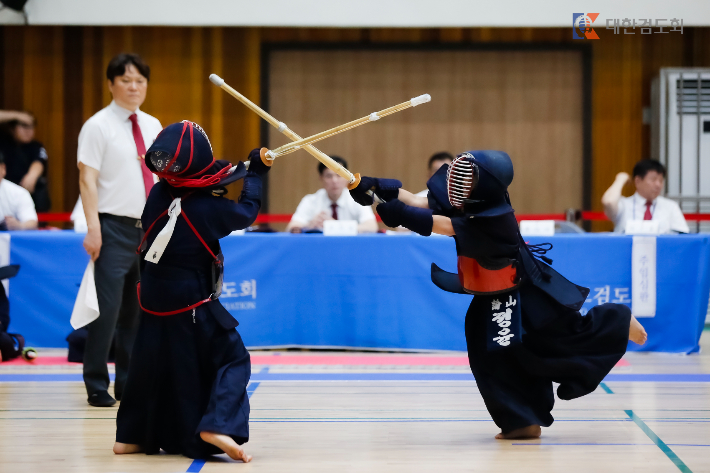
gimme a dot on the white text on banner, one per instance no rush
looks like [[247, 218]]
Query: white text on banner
[[643, 276]]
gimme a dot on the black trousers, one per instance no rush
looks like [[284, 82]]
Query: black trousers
[[116, 273], [573, 350]]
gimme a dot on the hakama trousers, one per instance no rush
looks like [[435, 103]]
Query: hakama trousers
[[573, 350], [185, 377]]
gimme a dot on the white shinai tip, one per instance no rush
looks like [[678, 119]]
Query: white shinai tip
[[420, 100], [216, 80]]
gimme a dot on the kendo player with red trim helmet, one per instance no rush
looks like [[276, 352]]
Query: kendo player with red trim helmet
[[523, 328], [186, 389]]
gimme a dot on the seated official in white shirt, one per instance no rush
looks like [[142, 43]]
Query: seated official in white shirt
[[332, 202], [647, 203], [435, 162], [16, 205]]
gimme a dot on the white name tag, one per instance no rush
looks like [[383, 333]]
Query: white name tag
[[340, 227], [643, 276], [642, 227], [537, 227]]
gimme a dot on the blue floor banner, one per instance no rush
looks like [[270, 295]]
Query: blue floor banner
[[369, 291]]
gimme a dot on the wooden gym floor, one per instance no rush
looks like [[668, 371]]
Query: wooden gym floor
[[342, 412]]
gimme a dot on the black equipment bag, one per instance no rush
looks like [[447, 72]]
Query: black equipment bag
[[11, 344]]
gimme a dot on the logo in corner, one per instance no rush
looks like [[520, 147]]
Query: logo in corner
[[582, 26]]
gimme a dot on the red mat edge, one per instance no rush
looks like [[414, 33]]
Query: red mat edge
[[279, 359]]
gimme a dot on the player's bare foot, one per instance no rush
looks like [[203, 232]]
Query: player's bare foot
[[227, 445], [529, 432], [636, 332], [125, 448]]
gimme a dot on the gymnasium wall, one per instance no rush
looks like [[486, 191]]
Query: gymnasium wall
[[58, 73], [526, 102]]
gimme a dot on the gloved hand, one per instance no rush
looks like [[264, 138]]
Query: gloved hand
[[256, 165], [386, 189], [395, 213]]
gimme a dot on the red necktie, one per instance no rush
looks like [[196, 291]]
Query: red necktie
[[647, 215], [335, 211], [140, 147]]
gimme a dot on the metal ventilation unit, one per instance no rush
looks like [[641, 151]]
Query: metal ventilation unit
[[680, 137]]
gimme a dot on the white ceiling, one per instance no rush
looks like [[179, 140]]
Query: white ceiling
[[352, 13]]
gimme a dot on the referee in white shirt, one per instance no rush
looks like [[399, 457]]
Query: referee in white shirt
[[334, 202], [647, 203], [114, 184]]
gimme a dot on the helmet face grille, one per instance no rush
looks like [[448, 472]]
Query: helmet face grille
[[461, 179], [160, 159]]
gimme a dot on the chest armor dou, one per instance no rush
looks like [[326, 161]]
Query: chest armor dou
[[461, 177], [156, 250]]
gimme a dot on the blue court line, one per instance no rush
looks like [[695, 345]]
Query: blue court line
[[589, 444], [195, 466], [251, 388], [667, 378], [606, 388], [14, 378], [660, 378], [363, 377], [266, 376], [403, 420], [664, 448], [335, 419], [616, 444], [686, 445]]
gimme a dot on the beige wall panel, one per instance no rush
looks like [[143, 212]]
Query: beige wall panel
[[526, 103]]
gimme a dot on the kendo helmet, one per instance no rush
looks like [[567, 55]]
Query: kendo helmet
[[477, 182], [182, 155]]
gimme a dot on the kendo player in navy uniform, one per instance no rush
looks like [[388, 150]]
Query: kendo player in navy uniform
[[523, 327], [186, 388]]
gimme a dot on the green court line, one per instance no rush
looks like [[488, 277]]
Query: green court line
[[606, 388], [659, 443]]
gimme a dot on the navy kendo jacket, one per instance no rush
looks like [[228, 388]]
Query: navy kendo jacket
[[183, 275]]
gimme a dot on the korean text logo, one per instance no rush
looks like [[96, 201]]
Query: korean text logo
[[245, 292], [582, 26]]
